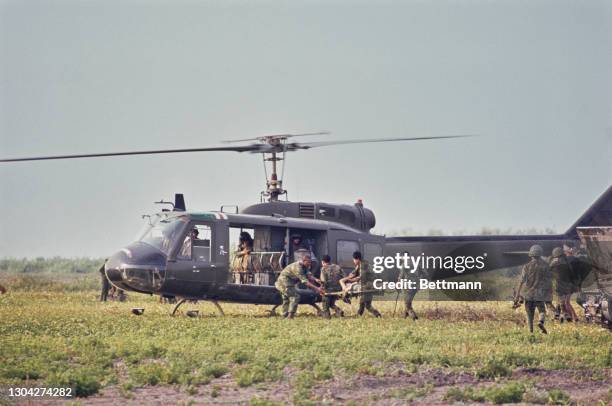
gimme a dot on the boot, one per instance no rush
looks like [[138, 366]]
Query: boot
[[326, 315], [339, 312], [541, 327], [290, 315]]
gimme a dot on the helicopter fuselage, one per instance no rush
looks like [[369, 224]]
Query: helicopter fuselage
[[167, 261], [158, 263]]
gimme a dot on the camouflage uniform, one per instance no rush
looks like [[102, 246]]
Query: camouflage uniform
[[286, 284], [330, 277], [410, 293], [362, 270], [561, 272], [537, 279], [105, 285]]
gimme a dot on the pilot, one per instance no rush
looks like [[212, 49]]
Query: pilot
[[362, 274], [537, 280], [186, 249], [330, 281], [288, 279]]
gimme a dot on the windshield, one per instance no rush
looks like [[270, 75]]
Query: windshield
[[162, 232]]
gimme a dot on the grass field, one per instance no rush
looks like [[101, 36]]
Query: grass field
[[474, 352]]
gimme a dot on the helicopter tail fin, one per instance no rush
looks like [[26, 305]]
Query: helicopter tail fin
[[179, 202], [599, 214]]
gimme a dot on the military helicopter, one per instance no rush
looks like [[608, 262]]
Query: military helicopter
[[188, 254]]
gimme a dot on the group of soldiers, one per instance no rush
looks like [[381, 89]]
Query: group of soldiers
[[331, 282], [564, 271]]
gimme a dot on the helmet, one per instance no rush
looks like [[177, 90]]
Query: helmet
[[557, 252], [535, 251]]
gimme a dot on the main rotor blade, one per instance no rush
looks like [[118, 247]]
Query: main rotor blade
[[308, 145], [263, 137], [245, 148]]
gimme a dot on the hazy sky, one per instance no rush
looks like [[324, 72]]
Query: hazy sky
[[533, 77]]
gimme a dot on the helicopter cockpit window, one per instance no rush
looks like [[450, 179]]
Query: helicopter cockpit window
[[161, 234], [196, 244]]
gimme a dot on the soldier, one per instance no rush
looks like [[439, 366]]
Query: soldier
[[561, 272], [410, 293], [362, 274], [580, 268], [245, 247], [330, 280], [288, 279], [105, 284], [186, 249], [537, 280]]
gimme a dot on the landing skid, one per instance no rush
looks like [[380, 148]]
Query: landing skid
[[218, 307], [272, 311], [180, 302]]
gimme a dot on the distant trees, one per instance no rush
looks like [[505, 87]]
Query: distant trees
[[50, 265], [482, 231]]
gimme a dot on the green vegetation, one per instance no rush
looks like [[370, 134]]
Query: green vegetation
[[50, 274], [507, 393], [72, 339], [512, 392], [482, 231]]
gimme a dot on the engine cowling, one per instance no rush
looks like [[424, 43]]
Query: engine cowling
[[355, 216]]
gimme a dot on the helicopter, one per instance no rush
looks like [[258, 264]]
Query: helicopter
[[189, 254]]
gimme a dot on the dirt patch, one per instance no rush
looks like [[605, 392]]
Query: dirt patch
[[430, 386], [426, 386]]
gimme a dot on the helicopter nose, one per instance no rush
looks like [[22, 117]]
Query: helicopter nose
[[137, 267]]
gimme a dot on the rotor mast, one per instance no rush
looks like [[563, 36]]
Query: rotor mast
[[274, 185], [273, 151]]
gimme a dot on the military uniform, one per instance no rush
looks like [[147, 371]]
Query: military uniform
[[362, 270], [286, 284], [537, 279], [410, 293], [330, 278], [105, 285], [244, 264], [561, 272]]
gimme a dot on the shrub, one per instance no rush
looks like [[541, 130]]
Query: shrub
[[558, 397], [83, 381], [493, 368]]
